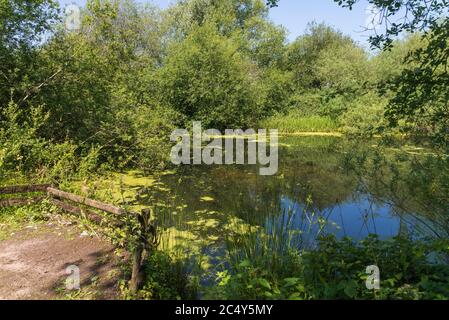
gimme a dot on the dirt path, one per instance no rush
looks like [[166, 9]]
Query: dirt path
[[33, 264]]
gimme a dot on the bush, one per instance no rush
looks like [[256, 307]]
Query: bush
[[22, 151], [336, 269], [364, 115], [153, 129], [205, 78], [165, 279]]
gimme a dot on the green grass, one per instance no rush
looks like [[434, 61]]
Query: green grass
[[292, 123], [13, 219]]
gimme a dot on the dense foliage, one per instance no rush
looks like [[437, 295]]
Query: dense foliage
[[336, 269], [420, 91], [131, 73]]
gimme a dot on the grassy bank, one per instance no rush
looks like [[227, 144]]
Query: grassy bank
[[294, 124]]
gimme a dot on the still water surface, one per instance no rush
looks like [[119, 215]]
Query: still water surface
[[324, 185]]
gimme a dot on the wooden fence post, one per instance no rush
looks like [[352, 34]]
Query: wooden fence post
[[137, 277], [145, 244]]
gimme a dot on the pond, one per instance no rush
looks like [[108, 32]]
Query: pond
[[324, 185]]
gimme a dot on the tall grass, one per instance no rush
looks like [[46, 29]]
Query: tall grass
[[291, 123], [286, 232], [263, 246]]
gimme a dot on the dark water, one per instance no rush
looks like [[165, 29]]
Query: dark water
[[324, 185]]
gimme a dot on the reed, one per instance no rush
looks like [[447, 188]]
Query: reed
[[292, 124]]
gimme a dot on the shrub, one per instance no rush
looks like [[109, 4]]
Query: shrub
[[22, 151], [205, 78], [364, 115], [336, 269], [152, 138]]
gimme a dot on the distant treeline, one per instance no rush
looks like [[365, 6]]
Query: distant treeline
[[112, 91]]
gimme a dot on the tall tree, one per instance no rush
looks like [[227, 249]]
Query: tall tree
[[328, 70], [422, 91], [23, 24], [205, 78]]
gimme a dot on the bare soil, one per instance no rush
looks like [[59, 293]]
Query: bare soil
[[33, 264]]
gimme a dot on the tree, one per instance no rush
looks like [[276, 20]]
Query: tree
[[328, 70], [342, 67], [304, 53], [421, 91], [206, 78], [388, 64], [23, 24], [244, 21], [398, 16], [272, 3]]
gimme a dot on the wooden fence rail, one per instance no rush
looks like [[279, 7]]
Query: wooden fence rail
[[54, 194], [20, 201], [78, 211], [24, 189], [86, 201], [13, 190]]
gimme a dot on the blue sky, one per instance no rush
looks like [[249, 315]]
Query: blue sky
[[295, 14]]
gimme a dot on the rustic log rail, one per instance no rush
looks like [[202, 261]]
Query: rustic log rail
[[24, 188], [13, 190], [78, 211], [148, 233], [20, 201], [86, 201]]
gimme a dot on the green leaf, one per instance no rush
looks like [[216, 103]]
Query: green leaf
[[351, 289], [264, 283], [245, 264]]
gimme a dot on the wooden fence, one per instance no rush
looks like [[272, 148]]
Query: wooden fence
[[69, 202], [12, 190]]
